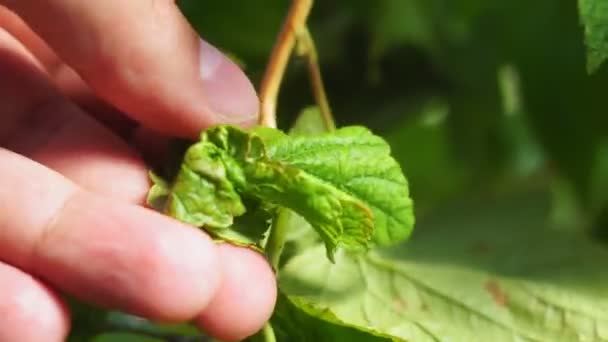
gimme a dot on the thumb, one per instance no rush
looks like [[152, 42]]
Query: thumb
[[144, 58]]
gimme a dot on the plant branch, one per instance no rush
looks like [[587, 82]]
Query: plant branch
[[307, 48], [269, 90], [293, 30]]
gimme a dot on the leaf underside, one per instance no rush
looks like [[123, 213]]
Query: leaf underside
[[502, 277]]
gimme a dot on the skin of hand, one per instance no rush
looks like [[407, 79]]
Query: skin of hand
[[86, 89]]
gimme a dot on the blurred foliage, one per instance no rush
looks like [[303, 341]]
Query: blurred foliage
[[594, 15], [387, 62], [490, 110]]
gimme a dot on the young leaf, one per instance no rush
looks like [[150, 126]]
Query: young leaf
[[343, 183], [158, 193], [299, 234], [594, 15], [359, 163]]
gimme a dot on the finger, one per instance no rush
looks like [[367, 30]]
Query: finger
[[124, 256], [64, 77], [116, 255], [231, 275], [87, 153], [18, 29], [30, 311], [153, 67], [38, 122], [248, 283]]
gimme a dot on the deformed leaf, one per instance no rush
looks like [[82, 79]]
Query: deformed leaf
[[325, 179], [158, 193], [339, 218], [249, 228], [359, 163], [202, 194], [594, 15]]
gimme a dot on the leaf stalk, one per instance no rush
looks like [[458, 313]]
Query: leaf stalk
[[279, 57], [307, 48]]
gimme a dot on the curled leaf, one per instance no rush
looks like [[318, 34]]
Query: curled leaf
[[316, 177]]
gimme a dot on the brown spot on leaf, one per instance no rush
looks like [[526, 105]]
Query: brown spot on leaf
[[496, 292]]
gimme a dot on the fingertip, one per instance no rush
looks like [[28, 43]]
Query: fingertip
[[229, 92], [129, 258], [246, 298], [30, 310], [190, 278], [156, 70]]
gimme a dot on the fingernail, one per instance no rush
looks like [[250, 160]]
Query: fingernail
[[230, 94]]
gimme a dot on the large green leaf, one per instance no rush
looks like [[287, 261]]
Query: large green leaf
[[475, 272], [594, 14], [297, 320]]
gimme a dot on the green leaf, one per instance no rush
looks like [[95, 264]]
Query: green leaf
[[275, 169], [299, 233], [202, 194], [87, 321], [477, 272], [158, 193], [123, 327], [248, 229], [359, 163], [309, 122], [296, 320], [594, 15]]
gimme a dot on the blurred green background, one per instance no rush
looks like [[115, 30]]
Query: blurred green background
[[475, 96], [502, 134]]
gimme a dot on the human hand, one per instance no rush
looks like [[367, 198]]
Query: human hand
[[71, 190]]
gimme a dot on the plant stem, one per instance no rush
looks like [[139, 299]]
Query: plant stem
[[269, 90], [294, 26], [276, 239], [307, 48]]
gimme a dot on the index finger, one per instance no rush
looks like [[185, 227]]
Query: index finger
[[144, 58]]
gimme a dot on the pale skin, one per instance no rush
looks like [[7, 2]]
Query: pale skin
[[78, 79]]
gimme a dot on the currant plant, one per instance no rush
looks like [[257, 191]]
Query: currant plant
[[242, 186]]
